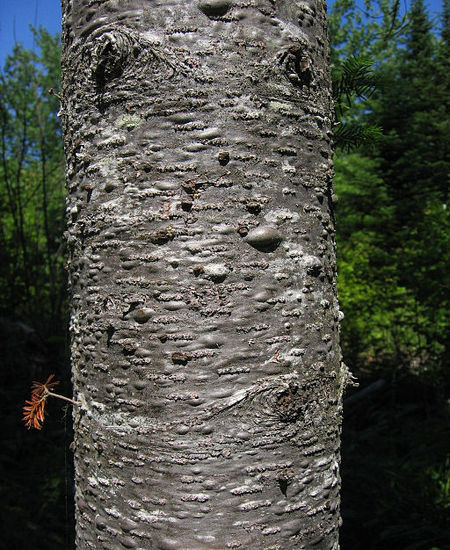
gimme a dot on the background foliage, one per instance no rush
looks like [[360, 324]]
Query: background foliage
[[36, 493], [393, 261], [391, 88]]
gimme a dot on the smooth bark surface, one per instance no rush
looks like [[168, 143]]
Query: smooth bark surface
[[204, 312]]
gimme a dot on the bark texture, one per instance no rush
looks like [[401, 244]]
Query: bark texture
[[202, 264]]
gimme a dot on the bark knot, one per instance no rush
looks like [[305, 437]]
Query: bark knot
[[289, 405], [296, 63], [110, 58]]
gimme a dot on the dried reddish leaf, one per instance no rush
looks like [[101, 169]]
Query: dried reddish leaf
[[34, 410], [38, 388]]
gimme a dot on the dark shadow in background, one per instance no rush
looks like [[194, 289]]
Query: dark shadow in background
[[36, 467], [396, 467]]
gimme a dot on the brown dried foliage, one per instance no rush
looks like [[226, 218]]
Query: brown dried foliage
[[34, 410]]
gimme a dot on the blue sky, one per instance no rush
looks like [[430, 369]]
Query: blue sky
[[17, 15]]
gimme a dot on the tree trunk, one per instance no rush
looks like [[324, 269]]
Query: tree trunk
[[204, 313]]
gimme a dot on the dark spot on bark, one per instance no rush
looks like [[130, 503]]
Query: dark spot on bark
[[76, 146], [214, 8], [198, 270], [163, 338], [314, 270], [88, 188], [180, 358], [110, 186], [304, 71], [109, 65], [189, 187], [283, 483], [142, 315], [162, 236], [289, 406], [128, 350], [297, 65], [224, 158], [100, 523], [110, 332], [253, 207], [132, 306], [242, 230]]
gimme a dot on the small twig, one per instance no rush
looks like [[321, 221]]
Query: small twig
[[51, 91], [51, 394], [34, 410]]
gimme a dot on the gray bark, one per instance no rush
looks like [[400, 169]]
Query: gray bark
[[202, 264]]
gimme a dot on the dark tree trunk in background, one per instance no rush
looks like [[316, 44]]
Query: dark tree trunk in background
[[204, 312]]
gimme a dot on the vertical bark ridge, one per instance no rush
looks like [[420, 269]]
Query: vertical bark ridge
[[202, 263]]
